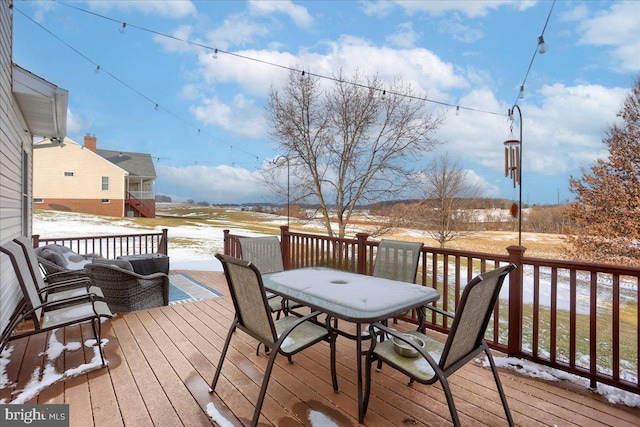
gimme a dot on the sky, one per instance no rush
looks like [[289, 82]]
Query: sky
[[157, 85]]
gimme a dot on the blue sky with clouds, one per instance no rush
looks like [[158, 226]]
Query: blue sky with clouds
[[208, 135]]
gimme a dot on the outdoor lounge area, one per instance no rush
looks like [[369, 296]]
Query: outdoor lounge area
[[161, 361]]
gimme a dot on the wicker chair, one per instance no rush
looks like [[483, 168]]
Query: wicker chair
[[286, 336], [125, 290], [432, 361], [54, 266]]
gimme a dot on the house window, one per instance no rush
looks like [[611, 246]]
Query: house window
[[105, 183], [38, 201], [106, 201], [68, 174]]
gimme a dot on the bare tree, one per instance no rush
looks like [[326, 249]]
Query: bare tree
[[349, 143], [448, 195], [606, 210]]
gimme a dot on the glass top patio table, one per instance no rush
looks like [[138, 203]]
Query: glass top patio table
[[349, 296]]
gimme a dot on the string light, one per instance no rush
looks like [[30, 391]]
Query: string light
[[542, 46], [156, 107], [123, 29], [457, 110], [97, 70], [418, 98], [521, 94], [215, 54]]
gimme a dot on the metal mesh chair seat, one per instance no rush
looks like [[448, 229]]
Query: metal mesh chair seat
[[436, 361]]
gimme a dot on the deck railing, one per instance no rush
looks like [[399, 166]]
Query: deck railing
[[111, 246], [580, 318]]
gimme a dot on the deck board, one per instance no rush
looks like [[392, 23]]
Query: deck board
[[162, 360]]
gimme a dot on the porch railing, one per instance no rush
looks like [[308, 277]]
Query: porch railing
[[580, 318], [111, 246]]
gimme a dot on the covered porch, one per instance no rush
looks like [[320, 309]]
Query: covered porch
[[162, 360]]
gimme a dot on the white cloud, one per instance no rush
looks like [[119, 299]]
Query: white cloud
[[241, 117], [617, 28], [236, 30], [75, 123], [213, 184], [183, 32], [298, 14], [459, 31], [168, 9], [404, 37], [470, 8]]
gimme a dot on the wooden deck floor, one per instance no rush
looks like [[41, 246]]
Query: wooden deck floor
[[162, 360]]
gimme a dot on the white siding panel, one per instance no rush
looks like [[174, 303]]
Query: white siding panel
[[13, 140]]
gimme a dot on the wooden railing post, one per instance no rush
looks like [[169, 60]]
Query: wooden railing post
[[362, 252], [35, 240], [164, 242], [514, 346], [225, 240], [285, 246]]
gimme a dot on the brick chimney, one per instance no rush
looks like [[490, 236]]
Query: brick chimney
[[90, 142]]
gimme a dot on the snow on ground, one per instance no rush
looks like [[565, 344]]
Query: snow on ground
[[208, 240]]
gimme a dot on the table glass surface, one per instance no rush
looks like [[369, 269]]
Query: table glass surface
[[351, 296]]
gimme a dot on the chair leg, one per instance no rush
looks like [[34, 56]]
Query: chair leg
[[263, 389], [216, 376], [503, 397], [97, 333], [450, 403]]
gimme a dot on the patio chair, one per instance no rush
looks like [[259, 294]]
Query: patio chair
[[286, 336], [266, 254], [63, 287], [398, 260], [125, 290], [464, 341], [49, 315]]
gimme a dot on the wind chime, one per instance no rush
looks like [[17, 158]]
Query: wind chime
[[512, 165]]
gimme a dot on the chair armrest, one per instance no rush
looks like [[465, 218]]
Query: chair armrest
[[440, 311], [400, 335], [52, 305]]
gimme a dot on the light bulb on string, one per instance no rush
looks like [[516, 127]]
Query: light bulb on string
[[97, 70], [215, 53], [542, 46], [123, 29], [521, 94]]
